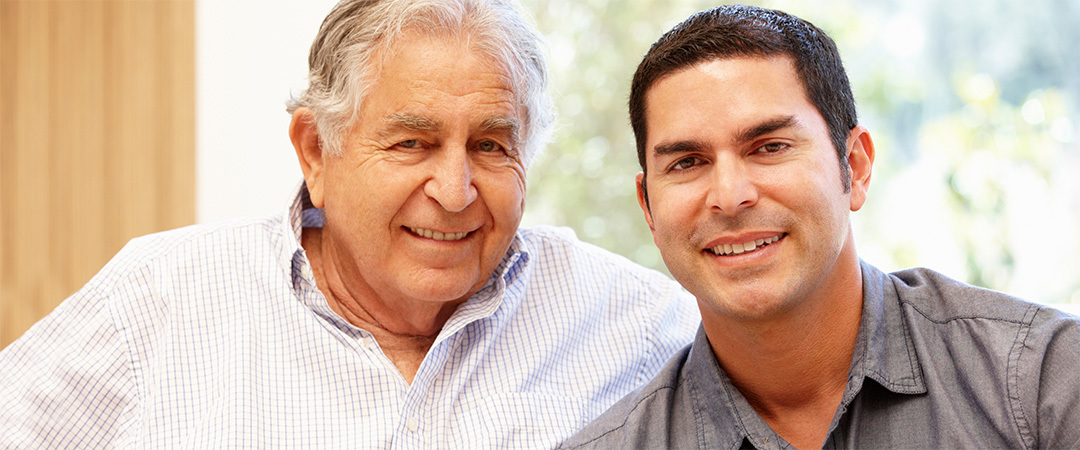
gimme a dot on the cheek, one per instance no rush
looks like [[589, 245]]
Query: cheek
[[336, 190], [513, 194], [370, 193], [818, 202], [513, 180], [673, 209], [503, 192], [514, 183], [798, 185], [516, 174]]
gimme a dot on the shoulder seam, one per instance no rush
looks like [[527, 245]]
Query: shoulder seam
[[1012, 371], [149, 257], [951, 319], [125, 339]]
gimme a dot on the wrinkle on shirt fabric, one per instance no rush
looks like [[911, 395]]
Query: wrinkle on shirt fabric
[[937, 364], [216, 336]]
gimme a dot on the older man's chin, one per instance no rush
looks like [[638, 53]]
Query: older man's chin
[[451, 285]]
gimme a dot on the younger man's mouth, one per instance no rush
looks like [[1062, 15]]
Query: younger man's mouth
[[745, 247]]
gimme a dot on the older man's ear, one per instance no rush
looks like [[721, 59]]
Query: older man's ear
[[305, 139]]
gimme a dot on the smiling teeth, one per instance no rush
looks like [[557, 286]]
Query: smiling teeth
[[438, 235], [738, 249]]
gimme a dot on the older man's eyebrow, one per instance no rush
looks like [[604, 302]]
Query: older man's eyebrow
[[409, 122], [504, 124], [768, 126]]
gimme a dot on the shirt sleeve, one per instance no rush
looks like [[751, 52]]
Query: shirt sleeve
[[67, 382], [1051, 355]]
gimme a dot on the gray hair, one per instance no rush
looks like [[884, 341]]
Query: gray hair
[[342, 66]]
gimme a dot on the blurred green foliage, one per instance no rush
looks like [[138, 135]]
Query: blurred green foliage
[[973, 106]]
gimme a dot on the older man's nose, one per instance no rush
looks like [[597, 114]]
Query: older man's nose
[[451, 184]]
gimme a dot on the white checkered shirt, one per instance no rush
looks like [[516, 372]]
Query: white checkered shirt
[[216, 336]]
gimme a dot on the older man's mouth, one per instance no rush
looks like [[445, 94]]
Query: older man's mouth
[[745, 247], [438, 235]]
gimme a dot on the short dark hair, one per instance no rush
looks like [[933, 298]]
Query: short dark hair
[[733, 31]]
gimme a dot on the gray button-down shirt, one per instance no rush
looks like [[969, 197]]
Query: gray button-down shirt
[[937, 364]]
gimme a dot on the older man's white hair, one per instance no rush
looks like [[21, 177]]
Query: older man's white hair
[[343, 65]]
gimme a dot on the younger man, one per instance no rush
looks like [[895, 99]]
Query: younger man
[[745, 124]]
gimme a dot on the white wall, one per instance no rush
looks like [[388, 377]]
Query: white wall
[[250, 56]]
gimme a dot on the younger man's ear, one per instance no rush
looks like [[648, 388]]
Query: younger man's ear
[[643, 199], [305, 139], [861, 162]]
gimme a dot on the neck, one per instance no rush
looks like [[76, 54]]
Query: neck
[[793, 368], [404, 329]]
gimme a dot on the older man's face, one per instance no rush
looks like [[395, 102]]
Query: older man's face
[[429, 189]]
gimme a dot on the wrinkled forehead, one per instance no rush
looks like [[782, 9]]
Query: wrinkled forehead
[[491, 58]]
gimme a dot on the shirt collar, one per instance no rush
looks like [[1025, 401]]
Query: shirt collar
[[724, 416], [884, 352], [501, 294], [507, 278], [293, 226], [299, 214]]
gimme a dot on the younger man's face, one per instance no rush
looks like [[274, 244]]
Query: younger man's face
[[744, 202]]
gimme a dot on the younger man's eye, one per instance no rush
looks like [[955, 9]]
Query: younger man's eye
[[685, 163], [773, 147]]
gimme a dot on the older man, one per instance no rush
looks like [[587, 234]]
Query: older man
[[753, 161], [395, 304]]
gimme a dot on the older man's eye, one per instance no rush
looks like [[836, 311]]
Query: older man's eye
[[488, 146], [411, 143]]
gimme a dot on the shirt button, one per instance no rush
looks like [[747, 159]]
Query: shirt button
[[412, 424], [367, 343]]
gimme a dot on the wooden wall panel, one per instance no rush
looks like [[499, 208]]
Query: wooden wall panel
[[97, 140]]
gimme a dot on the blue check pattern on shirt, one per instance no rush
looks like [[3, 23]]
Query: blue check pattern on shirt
[[216, 336]]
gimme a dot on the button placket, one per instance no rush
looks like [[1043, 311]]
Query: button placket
[[368, 343]]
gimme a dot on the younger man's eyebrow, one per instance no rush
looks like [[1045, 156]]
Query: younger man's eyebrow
[[745, 135], [669, 148], [755, 131]]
